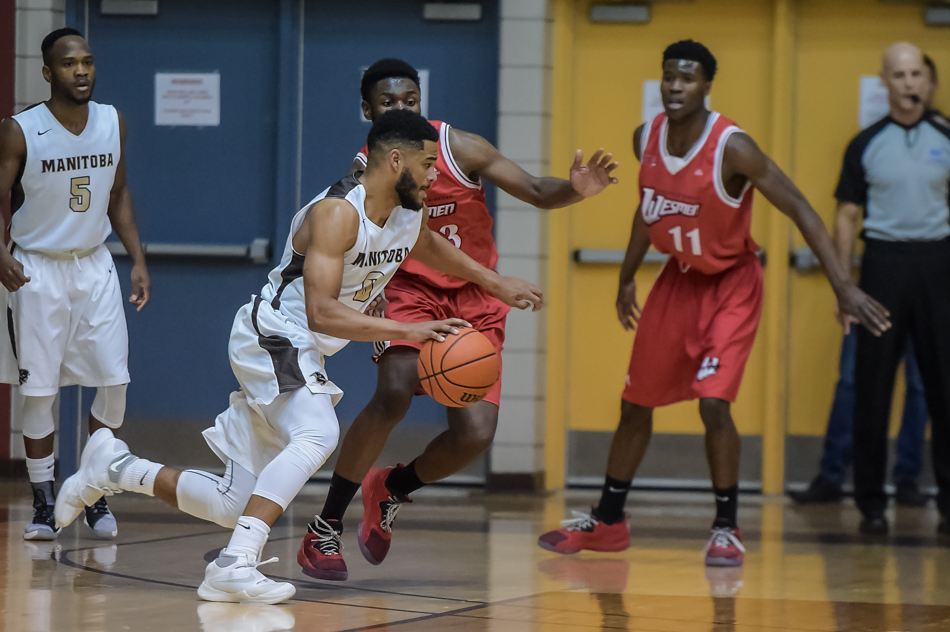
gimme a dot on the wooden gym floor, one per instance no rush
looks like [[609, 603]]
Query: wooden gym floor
[[462, 560]]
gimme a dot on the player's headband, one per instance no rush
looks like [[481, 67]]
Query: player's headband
[[685, 64]]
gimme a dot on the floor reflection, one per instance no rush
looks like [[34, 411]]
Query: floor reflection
[[465, 561], [234, 617]]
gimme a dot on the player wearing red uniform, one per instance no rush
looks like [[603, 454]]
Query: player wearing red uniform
[[457, 210], [699, 322]]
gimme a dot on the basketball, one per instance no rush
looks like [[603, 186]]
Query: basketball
[[459, 371]]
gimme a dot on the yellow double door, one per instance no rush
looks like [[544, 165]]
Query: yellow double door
[[790, 74]]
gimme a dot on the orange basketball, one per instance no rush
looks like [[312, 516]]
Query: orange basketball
[[459, 371]]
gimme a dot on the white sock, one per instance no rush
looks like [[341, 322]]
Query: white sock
[[248, 538], [139, 477], [40, 470]]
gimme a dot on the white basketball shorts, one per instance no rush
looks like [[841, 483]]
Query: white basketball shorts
[[270, 355], [66, 326]]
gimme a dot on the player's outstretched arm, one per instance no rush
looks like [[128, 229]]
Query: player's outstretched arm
[[846, 221], [476, 156], [122, 216], [438, 253], [12, 154], [628, 309], [333, 226], [744, 158]]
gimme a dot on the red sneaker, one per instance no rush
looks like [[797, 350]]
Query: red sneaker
[[584, 532], [724, 547], [320, 553], [379, 512]]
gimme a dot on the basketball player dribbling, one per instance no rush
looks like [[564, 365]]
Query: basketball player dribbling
[[696, 330], [459, 213], [280, 427], [64, 163]]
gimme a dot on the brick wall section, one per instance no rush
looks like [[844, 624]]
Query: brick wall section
[[524, 122]]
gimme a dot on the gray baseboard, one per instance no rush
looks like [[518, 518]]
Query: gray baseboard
[[678, 461], [676, 458]]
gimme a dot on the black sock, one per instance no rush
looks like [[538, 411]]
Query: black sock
[[727, 505], [402, 481], [338, 498], [612, 499]]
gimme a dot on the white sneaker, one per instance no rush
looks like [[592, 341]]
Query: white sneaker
[[232, 617], [100, 521], [103, 460], [235, 578]]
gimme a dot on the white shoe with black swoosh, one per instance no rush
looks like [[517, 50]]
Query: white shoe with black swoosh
[[235, 578], [103, 459]]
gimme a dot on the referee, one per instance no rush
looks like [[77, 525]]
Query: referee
[[898, 170]]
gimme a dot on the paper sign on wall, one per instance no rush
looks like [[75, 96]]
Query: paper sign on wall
[[874, 104], [653, 102], [188, 99], [423, 98]]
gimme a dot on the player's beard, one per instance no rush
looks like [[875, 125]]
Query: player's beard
[[408, 191]]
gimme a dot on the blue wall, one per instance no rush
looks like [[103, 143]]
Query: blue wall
[[239, 181]]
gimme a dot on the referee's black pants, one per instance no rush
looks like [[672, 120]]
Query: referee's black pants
[[912, 280]]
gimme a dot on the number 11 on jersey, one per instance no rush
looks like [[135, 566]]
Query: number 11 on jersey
[[693, 237]]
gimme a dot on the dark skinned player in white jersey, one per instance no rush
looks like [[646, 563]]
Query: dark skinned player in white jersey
[[69, 67], [696, 330], [459, 214]]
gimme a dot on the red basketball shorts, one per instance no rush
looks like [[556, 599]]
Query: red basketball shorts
[[695, 335], [415, 301]]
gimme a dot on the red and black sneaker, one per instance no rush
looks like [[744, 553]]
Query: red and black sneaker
[[724, 547], [320, 555], [584, 532], [379, 512]]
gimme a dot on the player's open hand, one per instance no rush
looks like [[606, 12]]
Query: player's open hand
[[377, 307], [592, 178], [628, 310], [11, 271], [515, 292], [141, 286], [854, 306], [433, 330]]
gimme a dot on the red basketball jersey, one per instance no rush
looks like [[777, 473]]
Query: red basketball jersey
[[683, 200], [457, 211]]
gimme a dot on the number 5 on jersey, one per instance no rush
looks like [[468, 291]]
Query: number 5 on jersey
[[80, 194], [693, 237]]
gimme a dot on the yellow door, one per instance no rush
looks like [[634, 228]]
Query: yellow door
[[789, 73], [837, 44], [609, 66]]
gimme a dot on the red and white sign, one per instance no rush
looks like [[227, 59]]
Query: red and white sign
[[188, 99]]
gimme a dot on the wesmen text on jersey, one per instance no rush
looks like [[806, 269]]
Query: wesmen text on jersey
[[685, 204], [457, 211]]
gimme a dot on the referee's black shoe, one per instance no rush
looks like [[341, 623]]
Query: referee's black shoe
[[909, 495], [821, 490], [874, 523]]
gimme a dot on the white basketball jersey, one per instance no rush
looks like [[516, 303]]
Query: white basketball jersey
[[67, 180], [367, 266]]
